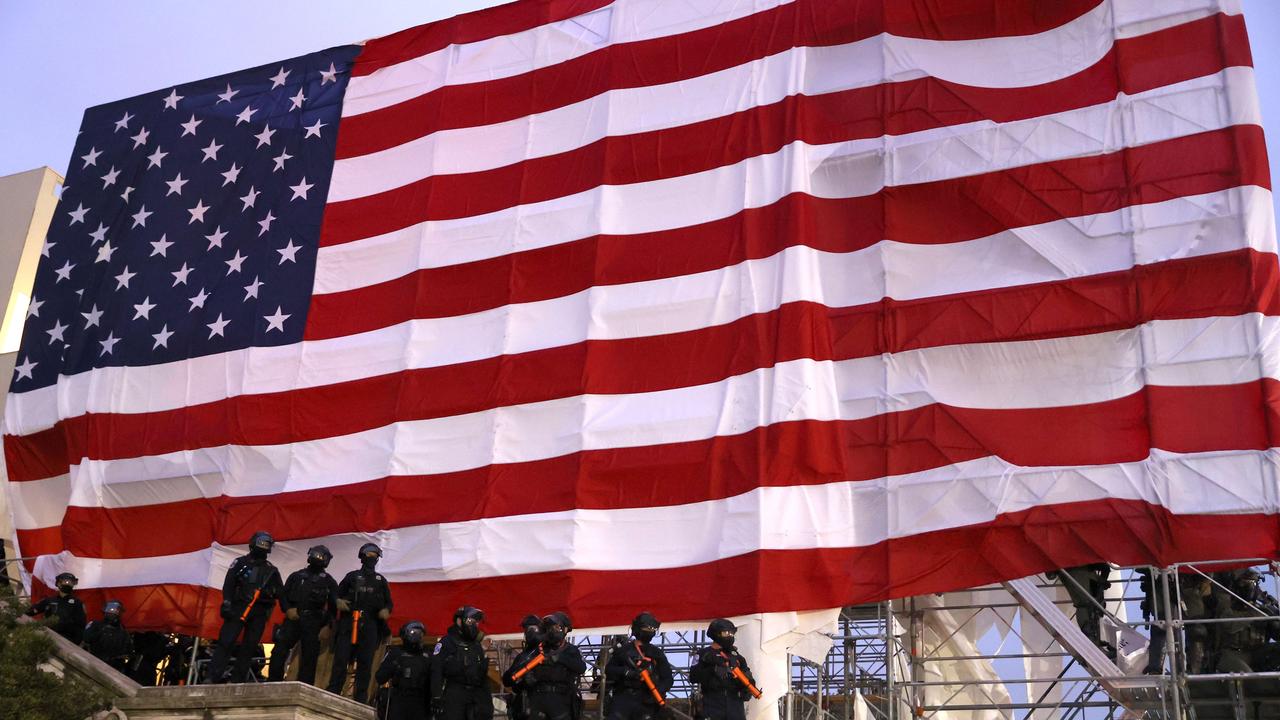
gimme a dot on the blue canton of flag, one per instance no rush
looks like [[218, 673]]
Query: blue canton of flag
[[189, 222]]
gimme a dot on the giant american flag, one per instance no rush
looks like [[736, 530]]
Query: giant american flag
[[703, 307]]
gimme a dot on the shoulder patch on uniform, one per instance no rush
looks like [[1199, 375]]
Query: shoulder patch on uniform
[[436, 651], [378, 577], [71, 601]]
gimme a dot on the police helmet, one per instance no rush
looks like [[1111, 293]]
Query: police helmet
[[262, 540], [412, 633], [722, 631], [369, 550], [319, 555], [557, 618], [113, 608]]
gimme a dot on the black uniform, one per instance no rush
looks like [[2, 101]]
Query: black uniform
[[408, 670], [249, 595], [1154, 609], [723, 695], [519, 705], [631, 699], [68, 614], [314, 595], [460, 678], [110, 643], [149, 649], [553, 684], [366, 592], [1088, 592]]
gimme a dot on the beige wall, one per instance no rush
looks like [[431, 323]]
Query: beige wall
[[27, 202]]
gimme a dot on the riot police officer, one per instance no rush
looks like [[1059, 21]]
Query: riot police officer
[[1087, 586], [531, 626], [460, 670], [1195, 593], [108, 640], [629, 665], [724, 693], [1156, 611], [64, 612], [552, 676], [408, 670], [249, 594], [309, 602], [364, 604], [1244, 645]]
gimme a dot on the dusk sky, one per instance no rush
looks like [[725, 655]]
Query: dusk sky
[[66, 56]]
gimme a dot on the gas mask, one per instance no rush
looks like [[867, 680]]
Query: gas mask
[[369, 555], [467, 619], [645, 627]]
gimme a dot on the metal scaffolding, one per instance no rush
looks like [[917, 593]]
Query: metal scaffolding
[[980, 654]]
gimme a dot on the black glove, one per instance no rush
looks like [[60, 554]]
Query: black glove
[[226, 611]]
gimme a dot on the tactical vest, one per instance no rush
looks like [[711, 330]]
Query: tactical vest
[[250, 577], [465, 663], [413, 672], [366, 593], [312, 594]]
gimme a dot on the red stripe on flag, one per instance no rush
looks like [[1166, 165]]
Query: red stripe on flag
[[940, 212], [1225, 284], [785, 454], [656, 61], [1014, 545], [893, 109]]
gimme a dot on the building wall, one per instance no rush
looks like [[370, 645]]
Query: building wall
[[27, 202]]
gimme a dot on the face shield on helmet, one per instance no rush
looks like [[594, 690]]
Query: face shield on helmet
[[261, 543], [722, 632], [412, 634], [112, 611], [468, 619], [65, 582], [318, 557], [532, 627], [645, 627], [555, 627], [369, 555]]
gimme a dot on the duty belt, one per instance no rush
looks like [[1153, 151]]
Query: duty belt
[[547, 688]]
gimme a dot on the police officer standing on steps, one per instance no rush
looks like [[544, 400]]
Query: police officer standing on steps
[[1155, 610], [630, 663], [552, 676], [364, 604], [460, 670], [309, 602], [108, 640], [724, 691], [408, 670], [531, 626], [63, 612], [1087, 586], [249, 595]]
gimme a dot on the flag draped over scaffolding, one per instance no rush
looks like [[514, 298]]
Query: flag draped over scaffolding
[[705, 307]]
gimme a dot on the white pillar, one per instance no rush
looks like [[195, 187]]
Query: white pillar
[[767, 640]]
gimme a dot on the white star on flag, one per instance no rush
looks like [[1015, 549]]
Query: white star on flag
[[162, 337], [143, 309], [92, 317], [301, 189], [276, 321], [217, 326], [24, 370], [171, 102]]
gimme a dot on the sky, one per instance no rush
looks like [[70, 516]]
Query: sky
[[62, 56]]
